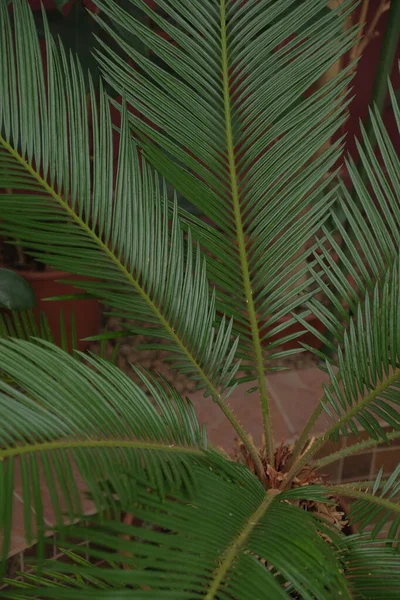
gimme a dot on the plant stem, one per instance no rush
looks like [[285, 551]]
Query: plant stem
[[304, 459], [89, 443], [255, 332], [351, 492], [301, 442], [348, 450]]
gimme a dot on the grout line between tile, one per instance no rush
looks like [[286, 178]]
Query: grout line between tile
[[279, 406]]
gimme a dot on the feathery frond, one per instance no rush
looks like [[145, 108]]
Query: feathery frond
[[230, 542], [372, 569], [86, 424], [75, 213], [372, 238], [382, 515], [249, 156], [364, 392]]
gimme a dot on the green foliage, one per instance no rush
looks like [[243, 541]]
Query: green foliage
[[373, 569], [224, 115], [219, 118], [60, 4], [37, 433], [189, 557], [368, 365], [141, 265], [381, 513], [15, 292]]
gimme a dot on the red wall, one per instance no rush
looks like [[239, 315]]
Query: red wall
[[363, 85]]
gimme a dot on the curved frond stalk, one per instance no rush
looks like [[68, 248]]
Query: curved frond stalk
[[236, 547], [354, 448], [184, 539], [82, 217], [370, 246], [364, 392], [240, 234], [213, 119], [371, 509], [380, 507], [47, 426]]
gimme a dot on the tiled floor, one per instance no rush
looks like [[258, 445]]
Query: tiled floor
[[293, 396]]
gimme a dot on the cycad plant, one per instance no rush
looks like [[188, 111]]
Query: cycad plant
[[232, 116]]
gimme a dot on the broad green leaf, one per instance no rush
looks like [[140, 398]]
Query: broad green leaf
[[61, 3], [16, 293]]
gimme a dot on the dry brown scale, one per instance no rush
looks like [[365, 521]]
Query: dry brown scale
[[332, 513]]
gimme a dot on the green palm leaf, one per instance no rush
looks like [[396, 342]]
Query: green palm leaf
[[76, 215], [362, 316], [77, 422], [364, 391], [381, 514], [230, 542], [372, 570], [247, 152], [371, 240]]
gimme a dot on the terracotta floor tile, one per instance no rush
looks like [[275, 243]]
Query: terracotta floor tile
[[18, 541], [293, 397], [246, 409], [298, 395]]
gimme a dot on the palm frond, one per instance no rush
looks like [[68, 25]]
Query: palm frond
[[229, 542], [86, 425], [77, 215], [372, 569], [380, 515], [364, 392], [213, 120], [371, 239]]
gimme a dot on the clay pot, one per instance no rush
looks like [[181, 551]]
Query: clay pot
[[86, 311]]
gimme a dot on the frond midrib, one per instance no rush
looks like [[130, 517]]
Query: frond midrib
[[350, 490], [101, 443], [122, 268], [364, 402], [244, 261], [237, 544], [136, 285], [324, 438]]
